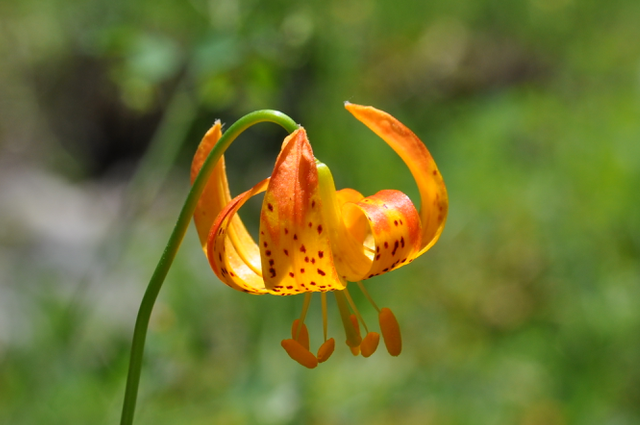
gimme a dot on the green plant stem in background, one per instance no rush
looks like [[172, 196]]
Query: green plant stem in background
[[150, 295]]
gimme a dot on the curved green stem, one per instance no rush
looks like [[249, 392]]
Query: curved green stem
[[150, 295]]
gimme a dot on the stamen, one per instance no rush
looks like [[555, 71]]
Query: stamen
[[370, 344], [300, 354], [302, 336], [366, 294], [355, 310], [390, 331], [353, 339], [354, 320], [326, 349], [305, 308], [323, 298]]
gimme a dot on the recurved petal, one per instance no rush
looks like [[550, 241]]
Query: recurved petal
[[294, 241], [233, 263], [216, 196], [216, 193], [433, 194], [395, 229]]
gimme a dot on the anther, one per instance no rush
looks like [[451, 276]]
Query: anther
[[297, 352], [303, 336], [370, 344], [326, 349], [390, 331]]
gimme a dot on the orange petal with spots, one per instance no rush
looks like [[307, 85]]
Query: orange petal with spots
[[215, 197], [395, 228], [294, 241], [228, 261], [433, 194]]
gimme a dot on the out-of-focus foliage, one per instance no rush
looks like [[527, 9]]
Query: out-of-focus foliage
[[524, 313]]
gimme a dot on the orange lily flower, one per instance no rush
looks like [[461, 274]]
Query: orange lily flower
[[316, 239]]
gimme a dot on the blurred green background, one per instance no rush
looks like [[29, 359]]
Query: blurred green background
[[524, 313]]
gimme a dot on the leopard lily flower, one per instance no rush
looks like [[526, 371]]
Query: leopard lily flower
[[313, 238]]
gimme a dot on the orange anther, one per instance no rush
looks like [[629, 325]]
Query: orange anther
[[297, 352], [390, 331], [326, 349], [303, 336], [370, 344]]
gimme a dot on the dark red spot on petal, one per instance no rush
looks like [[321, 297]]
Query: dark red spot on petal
[[270, 207], [312, 283], [264, 244], [395, 222], [435, 173], [286, 231], [301, 270], [321, 272], [319, 228], [272, 271], [313, 204], [267, 252], [289, 287], [302, 248], [306, 259], [320, 254], [313, 260], [286, 252], [295, 237], [402, 241], [386, 245], [291, 274], [310, 224], [271, 262]]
